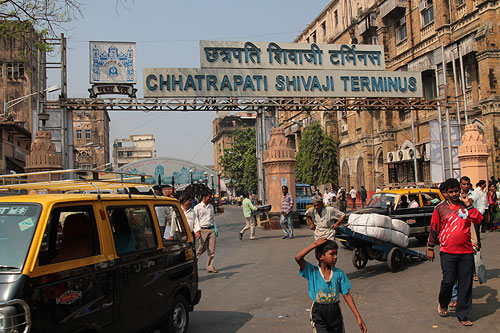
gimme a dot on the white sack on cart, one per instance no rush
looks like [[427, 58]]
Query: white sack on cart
[[383, 234], [401, 226], [399, 238], [370, 220]]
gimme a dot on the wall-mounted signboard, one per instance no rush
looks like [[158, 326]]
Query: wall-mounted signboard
[[218, 54], [112, 62], [195, 82]]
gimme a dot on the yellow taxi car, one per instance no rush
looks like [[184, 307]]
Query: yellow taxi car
[[95, 263]]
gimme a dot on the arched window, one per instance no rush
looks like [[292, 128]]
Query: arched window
[[360, 174], [346, 175]]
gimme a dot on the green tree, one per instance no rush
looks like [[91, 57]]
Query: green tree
[[240, 161], [317, 157], [18, 18]]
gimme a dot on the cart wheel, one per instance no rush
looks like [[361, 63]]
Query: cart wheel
[[395, 259], [359, 258]]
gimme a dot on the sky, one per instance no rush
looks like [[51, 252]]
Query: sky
[[167, 33]]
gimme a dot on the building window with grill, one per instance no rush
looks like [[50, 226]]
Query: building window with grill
[[78, 134], [323, 31], [10, 70], [401, 33], [313, 37], [336, 18], [426, 12], [87, 134]]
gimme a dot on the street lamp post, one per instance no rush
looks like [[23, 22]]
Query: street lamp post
[[8, 104]]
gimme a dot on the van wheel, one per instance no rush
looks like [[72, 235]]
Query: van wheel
[[178, 316]]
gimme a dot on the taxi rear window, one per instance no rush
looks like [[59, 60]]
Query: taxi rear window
[[133, 229]]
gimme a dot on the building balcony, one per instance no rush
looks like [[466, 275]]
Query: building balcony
[[389, 6], [402, 46], [427, 31]]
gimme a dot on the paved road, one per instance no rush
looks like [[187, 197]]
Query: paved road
[[258, 288]]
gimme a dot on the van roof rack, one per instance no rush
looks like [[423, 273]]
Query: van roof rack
[[72, 180]]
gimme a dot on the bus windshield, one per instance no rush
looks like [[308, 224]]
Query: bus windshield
[[303, 191]]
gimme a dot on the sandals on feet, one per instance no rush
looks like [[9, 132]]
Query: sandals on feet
[[466, 322], [453, 305], [212, 270], [442, 312]]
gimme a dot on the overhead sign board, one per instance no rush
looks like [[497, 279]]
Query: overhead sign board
[[207, 82], [112, 62], [219, 54]]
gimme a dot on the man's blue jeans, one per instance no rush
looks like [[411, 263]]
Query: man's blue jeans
[[283, 221]]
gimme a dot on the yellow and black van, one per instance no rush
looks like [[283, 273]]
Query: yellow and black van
[[94, 262]]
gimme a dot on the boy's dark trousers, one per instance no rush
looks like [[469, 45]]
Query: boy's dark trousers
[[457, 267], [327, 318]]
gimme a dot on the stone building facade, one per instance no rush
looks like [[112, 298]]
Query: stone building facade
[[376, 148], [135, 148], [18, 76], [224, 126], [91, 139]]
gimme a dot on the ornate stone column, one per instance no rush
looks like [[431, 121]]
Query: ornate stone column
[[43, 157], [473, 155], [279, 162]]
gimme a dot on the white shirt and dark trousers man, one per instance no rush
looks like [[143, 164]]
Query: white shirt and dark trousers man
[[204, 217]]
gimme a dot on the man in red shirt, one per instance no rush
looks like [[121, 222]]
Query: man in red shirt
[[450, 224]]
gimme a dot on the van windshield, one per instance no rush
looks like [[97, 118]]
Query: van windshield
[[17, 225], [382, 200], [303, 191]]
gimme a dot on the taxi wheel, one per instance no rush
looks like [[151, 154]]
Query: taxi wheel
[[178, 317]]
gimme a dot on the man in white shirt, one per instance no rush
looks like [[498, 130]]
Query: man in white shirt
[[413, 201], [353, 194], [186, 203], [484, 202], [325, 219], [204, 230]]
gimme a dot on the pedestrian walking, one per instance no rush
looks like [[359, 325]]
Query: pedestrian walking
[[494, 210], [466, 187], [450, 228], [363, 195], [286, 213], [484, 204], [186, 202], [342, 199], [249, 212], [353, 193], [325, 284], [326, 219], [204, 230]]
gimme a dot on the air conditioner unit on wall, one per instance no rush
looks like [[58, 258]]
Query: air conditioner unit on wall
[[422, 5], [411, 152], [402, 21], [344, 128], [400, 155], [390, 157]]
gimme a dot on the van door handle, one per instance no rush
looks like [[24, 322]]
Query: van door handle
[[107, 305], [101, 265]]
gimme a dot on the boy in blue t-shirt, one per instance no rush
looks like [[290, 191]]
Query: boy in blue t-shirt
[[326, 283]]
